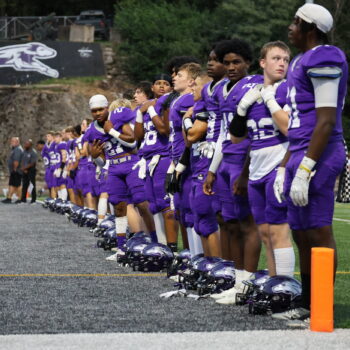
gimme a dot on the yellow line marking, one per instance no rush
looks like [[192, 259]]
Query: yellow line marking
[[107, 274], [84, 275]]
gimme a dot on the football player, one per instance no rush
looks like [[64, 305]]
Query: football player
[[59, 173], [183, 84], [228, 162], [268, 147], [205, 127], [317, 81], [116, 138], [152, 129]]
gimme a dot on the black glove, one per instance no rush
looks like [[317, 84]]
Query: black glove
[[169, 182], [72, 173]]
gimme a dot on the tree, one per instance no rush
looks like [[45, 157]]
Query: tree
[[152, 32]]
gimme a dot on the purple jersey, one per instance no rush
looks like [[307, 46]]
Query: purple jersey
[[177, 109], [301, 97], [45, 155], [79, 142], [62, 146], [199, 164], [52, 154], [261, 129], [154, 143], [118, 117], [229, 98], [209, 96]]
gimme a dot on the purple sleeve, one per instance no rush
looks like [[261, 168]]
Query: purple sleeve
[[186, 103], [121, 116], [324, 56]]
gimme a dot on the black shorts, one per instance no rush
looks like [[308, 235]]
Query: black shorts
[[15, 179]]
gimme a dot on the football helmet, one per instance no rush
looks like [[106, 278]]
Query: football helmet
[[180, 263], [221, 277], [199, 267], [110, 238], [155, 257], [278, 294], [251, 286]]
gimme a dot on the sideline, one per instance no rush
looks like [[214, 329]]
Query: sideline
[[252, 340]]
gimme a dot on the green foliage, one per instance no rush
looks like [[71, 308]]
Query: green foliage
[[152, 32]]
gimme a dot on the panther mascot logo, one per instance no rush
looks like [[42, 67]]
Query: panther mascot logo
[[25, 58]]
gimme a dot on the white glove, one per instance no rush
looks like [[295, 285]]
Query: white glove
[[279, 183], [268, 95], [250, 97], [64, 174], [299, 191], [206, 148], [141, 164], [153, 163], [57, 172]]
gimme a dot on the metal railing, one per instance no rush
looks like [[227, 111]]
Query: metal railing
[[14, 27]]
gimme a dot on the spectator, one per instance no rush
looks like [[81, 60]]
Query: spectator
[[14, 162], [28, 168]]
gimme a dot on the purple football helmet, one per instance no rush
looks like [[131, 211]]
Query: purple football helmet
[[155, 257], [221, 277], [278, 294]]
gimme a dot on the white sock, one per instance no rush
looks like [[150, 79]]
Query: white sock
[[246, 275], [197, 242], [285, 261], [190, 241], [102, 207], [64, 194], [121, 224], [239, 276], [160, 230]]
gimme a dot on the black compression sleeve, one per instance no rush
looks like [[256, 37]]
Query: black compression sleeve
[[238, 126], [185, 157]]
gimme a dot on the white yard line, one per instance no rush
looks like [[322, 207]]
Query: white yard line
[[343, 220]]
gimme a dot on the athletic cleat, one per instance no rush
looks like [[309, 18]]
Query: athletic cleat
[[298, 313], [299, 324], [112, 257]]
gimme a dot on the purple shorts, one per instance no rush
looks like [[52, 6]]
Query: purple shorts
[[48, 178], [69, 183], [204, 216], [263, 203], [233, 207], [182, 200], [154, 186], [320, 209], [102, 181], [123, 182], [87, 180]]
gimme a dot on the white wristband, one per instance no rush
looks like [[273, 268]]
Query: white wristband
[[139, 117], [114, 133], [273, 106], [152, 112], [180, 168], [187, 123], [307, 164]]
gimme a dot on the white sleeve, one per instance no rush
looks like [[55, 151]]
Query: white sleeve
[[326, 92], [217, 157], [325, 81]]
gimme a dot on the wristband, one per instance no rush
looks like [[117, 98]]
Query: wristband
[[307, 164], [99, 162], [273, 106], [180, 168], [187, 124], [139, 117], [152, 112], [114, 133]]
